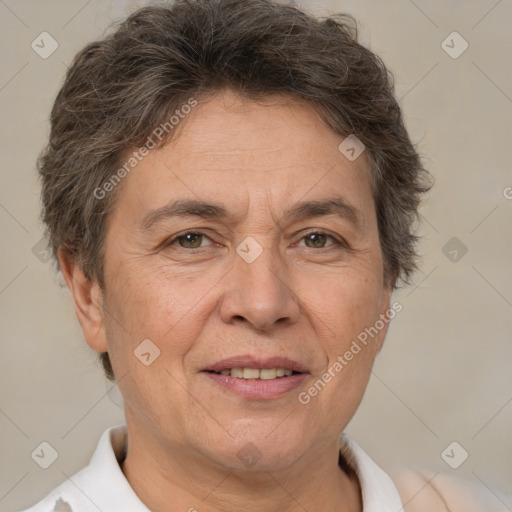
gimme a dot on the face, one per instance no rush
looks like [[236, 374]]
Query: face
[[248, 242]]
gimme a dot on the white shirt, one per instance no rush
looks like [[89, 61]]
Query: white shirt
[[102, 486]]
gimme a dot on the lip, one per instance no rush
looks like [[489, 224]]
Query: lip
[[248, 361], [257, 389]]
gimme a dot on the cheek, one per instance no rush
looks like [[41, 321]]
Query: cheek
[[142, 299], [347, 311], [149, 303], [344, 304]]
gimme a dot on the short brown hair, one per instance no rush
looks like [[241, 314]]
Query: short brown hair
[[119, 89]]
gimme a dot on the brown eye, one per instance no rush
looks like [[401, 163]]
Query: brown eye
[[316, 240], [190, 240]]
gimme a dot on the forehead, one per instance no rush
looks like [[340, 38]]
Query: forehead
[[234, 149], [276, 127]]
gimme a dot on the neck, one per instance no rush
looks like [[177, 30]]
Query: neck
[[172, 478]]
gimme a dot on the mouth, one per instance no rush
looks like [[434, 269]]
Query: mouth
[[257, 379], [256, 373]]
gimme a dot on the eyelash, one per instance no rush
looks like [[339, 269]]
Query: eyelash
[[340, 242]]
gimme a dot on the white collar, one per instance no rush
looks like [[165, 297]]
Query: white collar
[[103, 486], [378, 491]]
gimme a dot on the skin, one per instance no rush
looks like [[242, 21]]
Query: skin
[[302, 300]]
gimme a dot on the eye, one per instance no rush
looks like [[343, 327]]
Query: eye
[[189, 240], [318, 240]]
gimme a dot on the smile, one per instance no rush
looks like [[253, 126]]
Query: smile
[[256, 374]]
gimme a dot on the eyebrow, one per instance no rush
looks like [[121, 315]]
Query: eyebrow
[[333, 206], [182, 208], [213, 211]]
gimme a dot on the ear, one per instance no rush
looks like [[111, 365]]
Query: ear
[[88, 299], [386, 314]]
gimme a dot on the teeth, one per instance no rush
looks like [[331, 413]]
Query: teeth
[[251, 373], [255, 373], [268, 373]]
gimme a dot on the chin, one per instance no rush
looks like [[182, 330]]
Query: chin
[[257, 446]]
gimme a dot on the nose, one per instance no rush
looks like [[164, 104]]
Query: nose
[[258, 293]]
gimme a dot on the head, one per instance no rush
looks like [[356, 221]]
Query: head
[[229, 120]]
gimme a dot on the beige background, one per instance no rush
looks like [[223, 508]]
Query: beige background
[[444, 373]]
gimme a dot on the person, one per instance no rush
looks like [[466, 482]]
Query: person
[[229, 191]]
